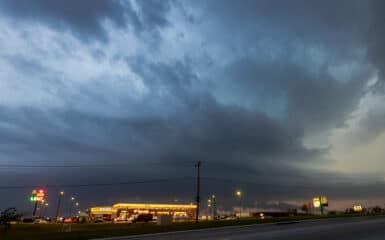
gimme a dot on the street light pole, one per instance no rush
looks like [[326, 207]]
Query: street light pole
[[45, 209], [239, 195], [71, 203], [209, 208], [198, 165], [58, 205], [214, 207], [77, 206]]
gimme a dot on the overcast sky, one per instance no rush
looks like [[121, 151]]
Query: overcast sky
[[282, 99]]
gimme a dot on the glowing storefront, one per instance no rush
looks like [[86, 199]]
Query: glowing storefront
[[105, 213], [125, 210]]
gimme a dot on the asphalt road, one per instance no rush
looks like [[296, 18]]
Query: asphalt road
[[363, 228]]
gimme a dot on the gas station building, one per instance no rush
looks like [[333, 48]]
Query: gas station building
[[126, 210]]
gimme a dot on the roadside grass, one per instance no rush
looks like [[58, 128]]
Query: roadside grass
[[99, 230]]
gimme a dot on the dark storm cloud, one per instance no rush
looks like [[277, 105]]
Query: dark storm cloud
[[173, 80], [376, 38], [314, 100], [373, 38], [189, 134], [238, 149], [153, 12], [84, 17], [241, 142], [286, 62], [310, 22], [228, 139]]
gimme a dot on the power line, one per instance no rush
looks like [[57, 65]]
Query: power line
[[212, 179], [228, 180], [61, 166], [91, 165], [96, 184]]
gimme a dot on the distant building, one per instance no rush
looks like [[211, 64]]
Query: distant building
[[274, 214]]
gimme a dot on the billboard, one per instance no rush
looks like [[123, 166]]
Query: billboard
[[320, 202], [37, 196], [324, 201], [316, 202]]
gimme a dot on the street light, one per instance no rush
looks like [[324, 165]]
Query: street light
[[238, 193], [61, 193]]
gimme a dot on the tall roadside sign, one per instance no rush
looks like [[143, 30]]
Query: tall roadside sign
[[320, 202], [36, 197]]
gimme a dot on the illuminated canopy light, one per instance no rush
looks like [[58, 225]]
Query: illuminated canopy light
[[103, 210], [137, 206], [154, 206]]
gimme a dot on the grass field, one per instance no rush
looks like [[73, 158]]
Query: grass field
[[89, 231]]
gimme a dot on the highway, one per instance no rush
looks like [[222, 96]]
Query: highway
[[362, 228]]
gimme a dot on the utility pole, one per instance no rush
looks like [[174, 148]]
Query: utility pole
[[198, 165]]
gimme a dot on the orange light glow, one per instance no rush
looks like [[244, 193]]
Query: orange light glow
[[154, 206], [102, 210]]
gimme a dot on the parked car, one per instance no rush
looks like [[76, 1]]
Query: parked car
[[70, 219], [27, 220], [121, 220], [98, 219], [141, 218], [40, 221]]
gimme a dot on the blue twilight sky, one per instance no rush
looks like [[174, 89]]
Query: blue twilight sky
[[283, 99]]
